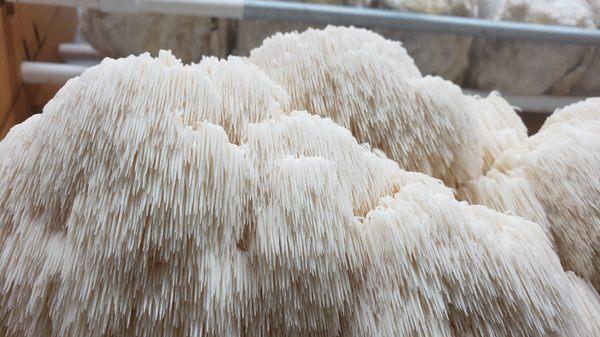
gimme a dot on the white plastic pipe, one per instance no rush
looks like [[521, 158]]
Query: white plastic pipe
[[78, 51], [49, 73]]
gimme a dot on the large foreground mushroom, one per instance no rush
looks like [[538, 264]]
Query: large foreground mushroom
[[156, 199]]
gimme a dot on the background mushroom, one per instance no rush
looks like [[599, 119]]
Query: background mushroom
[[553, 177]]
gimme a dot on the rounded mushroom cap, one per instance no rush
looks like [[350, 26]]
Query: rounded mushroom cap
[[371, 86]]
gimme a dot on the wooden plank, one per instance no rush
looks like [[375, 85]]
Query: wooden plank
[[9, 81], [20, 103], [33, 32], [64, 20]]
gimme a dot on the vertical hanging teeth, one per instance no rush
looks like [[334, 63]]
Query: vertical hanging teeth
[[372, 87], [153, 198]]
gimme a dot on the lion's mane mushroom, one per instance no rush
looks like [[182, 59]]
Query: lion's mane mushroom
[[554, 177], [371, 86], [156, 199]]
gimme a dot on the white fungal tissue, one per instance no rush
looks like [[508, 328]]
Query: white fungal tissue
[[477, 145], [370, 86], [553, 178], [152, 198]]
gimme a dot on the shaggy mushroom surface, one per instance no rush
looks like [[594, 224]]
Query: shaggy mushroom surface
[[152, 198]]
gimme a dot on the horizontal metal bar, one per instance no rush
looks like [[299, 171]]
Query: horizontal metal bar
[[532, 103], [346, 15], [232, 9], [414, 22]]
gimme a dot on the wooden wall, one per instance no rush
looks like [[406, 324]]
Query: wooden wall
[[29, 32]]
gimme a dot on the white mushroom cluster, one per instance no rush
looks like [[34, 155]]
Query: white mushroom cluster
[[428, 125], [153, 198]]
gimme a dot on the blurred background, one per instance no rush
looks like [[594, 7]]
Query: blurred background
[[41, 46]]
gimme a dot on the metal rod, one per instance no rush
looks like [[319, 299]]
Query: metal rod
[[414, 22], [344, 15], [232, 9], [532, 103]]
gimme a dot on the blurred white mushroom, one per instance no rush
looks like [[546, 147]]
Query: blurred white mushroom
[[556, 169]]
